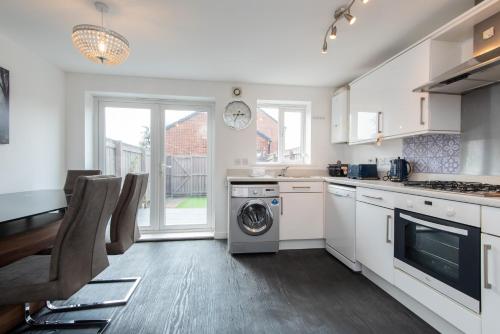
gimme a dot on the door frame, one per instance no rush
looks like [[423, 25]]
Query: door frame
[[157, 177]]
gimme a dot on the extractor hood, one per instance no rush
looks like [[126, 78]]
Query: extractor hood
[[482, 70]]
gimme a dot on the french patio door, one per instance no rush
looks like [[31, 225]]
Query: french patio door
[[171, 141]]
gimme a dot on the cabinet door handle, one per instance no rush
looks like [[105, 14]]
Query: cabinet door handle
[[281, 205], [374, 197], [486, 248], [422, 101], [388, 238], [379, 123]]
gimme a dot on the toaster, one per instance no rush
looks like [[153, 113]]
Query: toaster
[[363, 172]]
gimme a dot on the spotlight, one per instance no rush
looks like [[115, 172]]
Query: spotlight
[[324, 50], [333, 32], [365, 1], [351, 19]]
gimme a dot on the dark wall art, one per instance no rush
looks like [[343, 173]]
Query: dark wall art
[[4, 106]]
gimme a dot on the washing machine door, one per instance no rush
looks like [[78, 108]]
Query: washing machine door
[[255, 217]]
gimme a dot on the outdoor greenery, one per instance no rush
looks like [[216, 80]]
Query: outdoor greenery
[[193, 203]]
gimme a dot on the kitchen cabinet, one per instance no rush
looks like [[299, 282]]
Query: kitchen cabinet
[[383, 104], [340, 116], [490, 291], [374, 239], [302, 211]]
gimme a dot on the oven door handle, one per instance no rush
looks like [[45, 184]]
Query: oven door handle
[[487, 284], [435, 226]]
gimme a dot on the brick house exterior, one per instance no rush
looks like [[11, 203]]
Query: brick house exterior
[[267, 136], [187, 136]]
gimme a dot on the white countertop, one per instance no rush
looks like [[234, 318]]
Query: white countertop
[[400, 188], [378, 184]]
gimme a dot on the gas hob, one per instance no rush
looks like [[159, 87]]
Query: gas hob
[[469, 188]]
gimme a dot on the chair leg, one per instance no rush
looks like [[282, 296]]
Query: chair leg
[[107, 303], [101, 324]]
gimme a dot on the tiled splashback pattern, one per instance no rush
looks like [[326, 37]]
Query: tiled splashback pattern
[[438, 154]]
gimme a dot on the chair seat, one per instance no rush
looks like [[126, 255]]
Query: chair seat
[[27, 280]]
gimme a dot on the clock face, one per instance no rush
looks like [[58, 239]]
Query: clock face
[[237, 115]]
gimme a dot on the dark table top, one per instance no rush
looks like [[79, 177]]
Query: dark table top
[[15, 206]]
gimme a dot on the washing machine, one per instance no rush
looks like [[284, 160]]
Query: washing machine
[[254, 218]]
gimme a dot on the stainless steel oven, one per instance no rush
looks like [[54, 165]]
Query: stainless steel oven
[[443, 254]]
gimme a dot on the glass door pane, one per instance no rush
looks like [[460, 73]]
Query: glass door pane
[[127, 149], [185, 169]]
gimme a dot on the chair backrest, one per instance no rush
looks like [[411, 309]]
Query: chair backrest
[[73, 175], [79, 252], [123, 229]]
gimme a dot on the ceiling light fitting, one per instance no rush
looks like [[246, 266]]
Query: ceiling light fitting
[[99, 44], [342, 12]]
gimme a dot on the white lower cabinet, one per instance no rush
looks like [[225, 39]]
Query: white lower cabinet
[[490, 292], [374, 239], [301, 216]]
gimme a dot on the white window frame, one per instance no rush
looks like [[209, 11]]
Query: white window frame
[[283, 106]]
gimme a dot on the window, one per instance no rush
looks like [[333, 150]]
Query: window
[[282, 132]]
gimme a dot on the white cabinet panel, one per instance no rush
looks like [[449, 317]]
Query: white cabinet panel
[[375, 239], [301, 216], [490, 292], [383, 102], [340, 117]]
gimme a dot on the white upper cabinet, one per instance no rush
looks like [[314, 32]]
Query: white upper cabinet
[[340, 116], [382, 103]]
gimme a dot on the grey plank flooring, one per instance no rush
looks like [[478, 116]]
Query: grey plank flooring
[[197, 287]]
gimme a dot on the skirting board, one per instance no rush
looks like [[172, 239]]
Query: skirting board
[[220, 235], [302, 244], [420, 310]]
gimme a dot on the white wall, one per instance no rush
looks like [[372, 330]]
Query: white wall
[[229, 144], [35, 157]]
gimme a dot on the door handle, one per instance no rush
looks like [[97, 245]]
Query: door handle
[[379, 126], [486, 248], [373, 197], [281, 198], [422, 101], [388, 238]]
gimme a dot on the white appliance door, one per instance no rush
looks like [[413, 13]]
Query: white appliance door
[[340, 220]]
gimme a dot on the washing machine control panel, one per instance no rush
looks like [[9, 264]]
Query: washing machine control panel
[[255, 190]]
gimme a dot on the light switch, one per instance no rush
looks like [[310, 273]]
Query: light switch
[[488, 33]]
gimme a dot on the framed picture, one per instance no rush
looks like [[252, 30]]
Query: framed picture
[[4, 106]]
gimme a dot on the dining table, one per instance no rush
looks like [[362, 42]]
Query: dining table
[[29, 222]]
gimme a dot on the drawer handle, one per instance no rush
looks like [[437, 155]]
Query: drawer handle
[[281, 205], [387, 229], [486, 248], [301, 187], [373, 197]]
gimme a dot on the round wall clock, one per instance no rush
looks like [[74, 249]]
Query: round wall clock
[[237, 115]]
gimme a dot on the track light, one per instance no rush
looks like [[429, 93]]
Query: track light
[[351, 19], [342, 12], [333, 32]]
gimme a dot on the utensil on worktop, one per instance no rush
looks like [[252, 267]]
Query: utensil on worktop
[[337, 170]]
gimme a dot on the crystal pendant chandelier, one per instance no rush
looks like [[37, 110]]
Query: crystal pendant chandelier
[[99, 44]]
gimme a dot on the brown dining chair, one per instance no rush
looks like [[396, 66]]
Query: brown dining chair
[[124, 233], [123, 230], [79, 255], [73, 174]]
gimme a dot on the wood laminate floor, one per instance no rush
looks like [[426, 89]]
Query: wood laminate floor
[[197, 287]]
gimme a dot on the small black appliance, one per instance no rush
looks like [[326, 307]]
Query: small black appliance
[[400, 170], [363, 172], [337, 170]]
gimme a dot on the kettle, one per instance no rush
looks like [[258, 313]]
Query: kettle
[[400, 170]]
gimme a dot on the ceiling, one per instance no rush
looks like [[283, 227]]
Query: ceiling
[[258, 41]]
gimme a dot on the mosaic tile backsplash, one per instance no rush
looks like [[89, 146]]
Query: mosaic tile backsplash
[[437, 154]]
